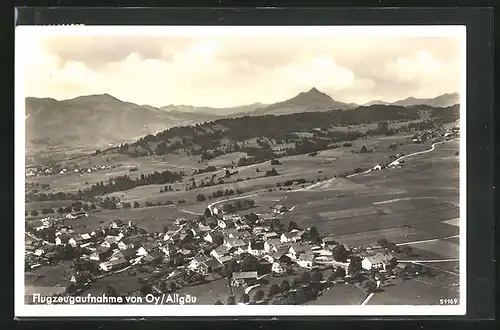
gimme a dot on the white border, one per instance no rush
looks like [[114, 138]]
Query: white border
[[22, 51]]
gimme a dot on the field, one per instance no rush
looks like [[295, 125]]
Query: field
[[413, 292], [340, 294]]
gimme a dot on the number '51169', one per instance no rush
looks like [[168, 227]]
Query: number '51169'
[[450, 301]]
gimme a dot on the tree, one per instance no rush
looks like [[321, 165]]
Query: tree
[[127, 206], [274, 290], [383, 242], [244, 298], [340, 254], [292, 225], [259, 295], [86, 207], [252, 218], [249, 263], [293, 283], [305, 277], [371, 286], [146, 289], [354, 266], [136, 205], [340, 272], [34, 213], [407, 250], [285, 286], [60, 210], [314, 235], [200, 198], [207, 213], [231, 300], [317, 276]]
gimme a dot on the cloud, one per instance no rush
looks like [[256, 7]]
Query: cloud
[[228, 71]]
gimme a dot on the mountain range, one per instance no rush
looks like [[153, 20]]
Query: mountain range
[[443, 100], [100, 120]]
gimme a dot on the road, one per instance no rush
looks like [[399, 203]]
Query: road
[[427, 240]]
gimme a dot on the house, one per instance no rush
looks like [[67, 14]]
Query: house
[[209, 237], [377, 167], [225, 259], [62, 239], [116, 223], [113, 264], [78, 240], [270, 236], [80, 278], [241, 226], [223, 224], [278, 268], [279, 209], [257, 230], [377, 261], [122, 245], [170, 235], [117, 255], [297, 249], [204, 229], [99, 254], [209, 266], [281, 255], [128, 254], [220, 252], [197, 261], [256, 248], [39, 252], [234, 243], [328, 242], [109, 240], [154, 256], [147, 248], [272, 245], [229, 232], [244, 278], [179, 221], [291, 237], [305, 260]]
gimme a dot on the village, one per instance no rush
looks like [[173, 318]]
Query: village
[[250, 251]]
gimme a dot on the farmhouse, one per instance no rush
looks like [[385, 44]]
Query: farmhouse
[[377, 261], [305, 260], [272, 245], [278, 268], [256, 248], [299, 248], [244, 278], [78, 240], [291, 237], [113, 264], [99, 254], [328, 242], [270, 235], [209, 266], [220, 252], [197, 261]]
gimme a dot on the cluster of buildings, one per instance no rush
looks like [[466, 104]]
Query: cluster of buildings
[[193, 246], [50, 170], [440, 133]]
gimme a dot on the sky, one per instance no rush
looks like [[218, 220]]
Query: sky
[[225, 71]]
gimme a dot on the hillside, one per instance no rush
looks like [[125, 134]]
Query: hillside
[[310, 101], [96, 120], [256, 135], [444, 100]]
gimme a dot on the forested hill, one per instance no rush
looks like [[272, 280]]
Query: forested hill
[[231, 135]]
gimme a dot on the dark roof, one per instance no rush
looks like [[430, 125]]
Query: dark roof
[[157, 254], [129, 253], [257, 245], [222, 250], [213, 263]]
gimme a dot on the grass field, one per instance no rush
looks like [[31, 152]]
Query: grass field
[[413, 292], [340, 294]]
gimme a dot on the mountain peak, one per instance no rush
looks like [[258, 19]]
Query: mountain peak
[[314, 90]]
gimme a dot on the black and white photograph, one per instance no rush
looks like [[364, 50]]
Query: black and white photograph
[[207, 170]]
